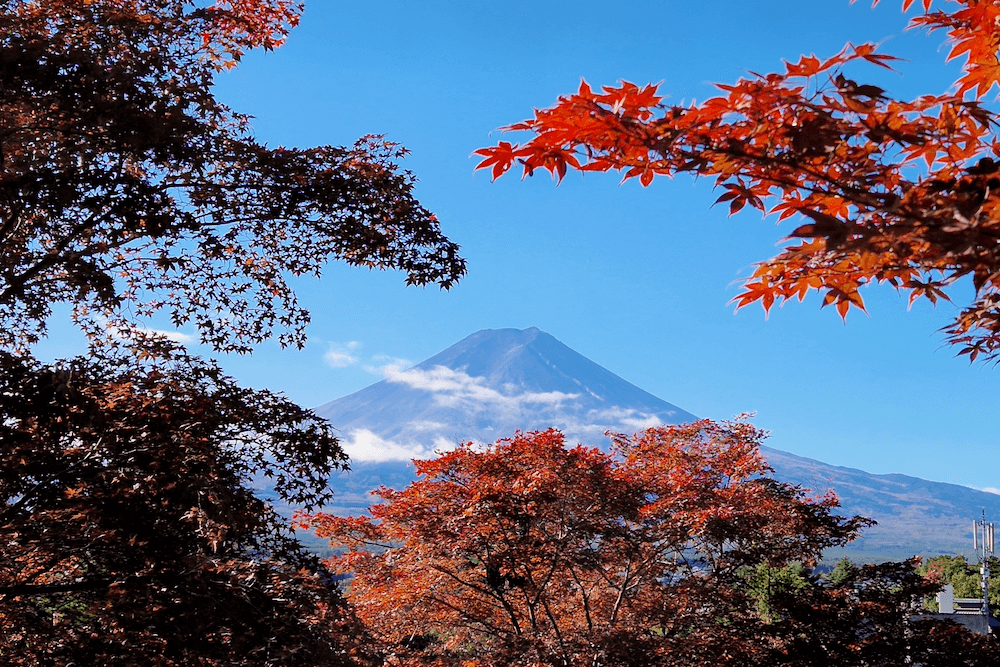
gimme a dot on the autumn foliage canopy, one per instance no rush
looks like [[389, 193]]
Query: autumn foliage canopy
[[673, 549], [530, 552], [883, 190], [129, 529], [129, 533], [128, 190]]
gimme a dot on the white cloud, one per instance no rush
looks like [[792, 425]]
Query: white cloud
[[991, 489], [171, 335], [457, 389], [338, 359], [363, 445], [443, 444], [176, 336], [576, 429], [426, 425], [385, 365], [339, 355], [629, 418]]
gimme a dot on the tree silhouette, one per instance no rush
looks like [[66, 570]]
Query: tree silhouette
[[129, 530], [127, 188]]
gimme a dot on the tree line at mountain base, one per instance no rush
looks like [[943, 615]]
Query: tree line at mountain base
[[674, 548]]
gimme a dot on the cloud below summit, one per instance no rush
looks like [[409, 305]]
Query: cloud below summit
[[486, 388], [456, 388], [508, 408], [363, 445]]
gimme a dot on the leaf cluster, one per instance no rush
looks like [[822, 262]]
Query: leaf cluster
[[129, 528], [126, 188], [903, 192], [131, 532], [529, 552]]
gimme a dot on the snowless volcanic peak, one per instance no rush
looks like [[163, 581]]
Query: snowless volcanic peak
[[497, 381], [485, 387]]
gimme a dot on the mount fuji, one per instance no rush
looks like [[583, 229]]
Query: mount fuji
[[487, 386], [497, 381]]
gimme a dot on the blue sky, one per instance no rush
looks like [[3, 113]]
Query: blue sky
[[636, 279]]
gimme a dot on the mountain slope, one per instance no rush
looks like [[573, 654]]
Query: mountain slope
[[916, 516], [487, 386], [497, 381]]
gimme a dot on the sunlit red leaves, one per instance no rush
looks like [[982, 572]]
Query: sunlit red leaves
[[868, 52], [974, 31], [529, 552], [738, 195], [894, 191], [808, 66], [500, 157], [584, 118], [237, 26]]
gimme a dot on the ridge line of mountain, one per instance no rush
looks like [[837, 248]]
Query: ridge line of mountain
[[496, 381]]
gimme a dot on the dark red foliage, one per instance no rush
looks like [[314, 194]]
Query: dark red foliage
[[127, 189], [533, 553], [131, 534]]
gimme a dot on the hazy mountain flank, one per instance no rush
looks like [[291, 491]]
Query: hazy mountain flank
[[489, 385], [497, 381]]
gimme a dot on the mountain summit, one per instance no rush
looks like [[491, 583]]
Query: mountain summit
[[497, 381], [485, 387]]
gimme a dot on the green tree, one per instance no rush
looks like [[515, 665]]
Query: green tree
[[764, 582], [844, 569], [964, 577]]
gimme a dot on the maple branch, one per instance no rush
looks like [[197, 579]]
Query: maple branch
[[857, 195], [466, 615], [68, 587], [555, 627], [487, 592], [585, 597], [29, 494], [621, 592], [54, 255]]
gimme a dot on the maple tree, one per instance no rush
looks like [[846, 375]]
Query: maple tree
[[676, 548], [130, 534], [126, 188], [528, 552], [903, 192], [129, 529]]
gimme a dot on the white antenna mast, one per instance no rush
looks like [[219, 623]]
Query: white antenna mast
[[982, 542]]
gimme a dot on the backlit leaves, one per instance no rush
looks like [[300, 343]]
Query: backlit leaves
[[127, 190], [903, 192]]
